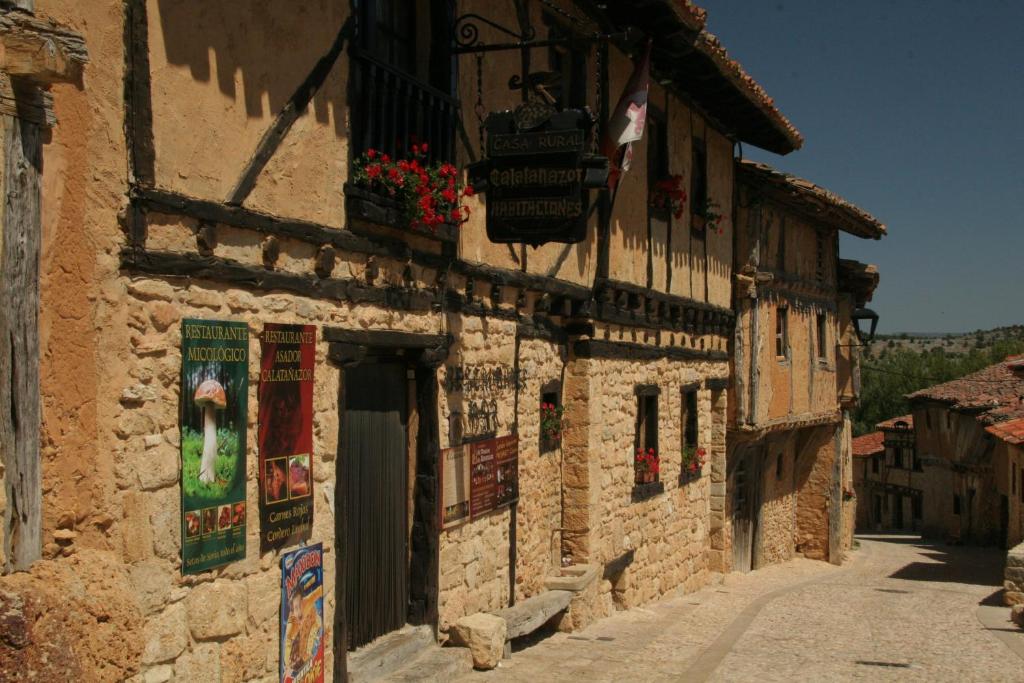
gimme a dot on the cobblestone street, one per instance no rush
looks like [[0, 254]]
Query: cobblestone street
[[899, 609]]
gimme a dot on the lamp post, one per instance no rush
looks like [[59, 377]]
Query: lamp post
[[865, 314]]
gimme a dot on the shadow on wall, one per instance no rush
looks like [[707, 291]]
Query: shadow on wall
[[266, 49]]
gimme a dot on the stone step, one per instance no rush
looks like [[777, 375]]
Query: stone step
[[381, 659], [436, 665]]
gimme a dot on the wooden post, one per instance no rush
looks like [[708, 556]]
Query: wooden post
[[19, 342]]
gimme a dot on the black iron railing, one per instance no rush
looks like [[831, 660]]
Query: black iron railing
[[392, 110]]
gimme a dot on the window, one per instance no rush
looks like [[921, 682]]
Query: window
[[403, 78], [778, 467], [821, 244], [699, 178], [822, 337], [569, 62], [647, 461], [782, 243], [690, 426], [875, 463], [894, 456], [656, 131], [781, 332], [550, 420], [956, 504]]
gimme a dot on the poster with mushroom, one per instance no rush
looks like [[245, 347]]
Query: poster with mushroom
[[214, 411], [285, 434], [302, 615]]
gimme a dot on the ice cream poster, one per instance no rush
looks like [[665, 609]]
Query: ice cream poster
[[302, 615], [214, 394], [287, 356]]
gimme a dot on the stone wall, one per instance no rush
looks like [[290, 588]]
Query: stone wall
[[1014, 576], [776, 519], [814, 477], [669, 533]]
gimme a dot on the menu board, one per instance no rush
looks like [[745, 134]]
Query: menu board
[[483, 492], [455, 486], [492, 467]]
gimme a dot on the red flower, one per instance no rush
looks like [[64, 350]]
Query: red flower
[[449, 195], [372, 171], [385, 158], [415, 149], [371, 154], [423, 148], [468, 191]]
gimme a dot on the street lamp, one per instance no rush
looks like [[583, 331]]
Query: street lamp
[[865, 314]]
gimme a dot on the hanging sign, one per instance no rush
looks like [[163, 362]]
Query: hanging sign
[[214, 393], [302, 615], [287, 356], [537, 180], [454, 486]]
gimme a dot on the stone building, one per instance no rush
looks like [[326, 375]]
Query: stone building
[[887, 477], [794, 368], [211, 162], [1009, 473], [968, 481]]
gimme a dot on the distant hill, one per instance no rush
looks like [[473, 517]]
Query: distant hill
[[894, 365]]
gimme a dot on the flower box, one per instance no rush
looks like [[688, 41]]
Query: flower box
[[380, 209]]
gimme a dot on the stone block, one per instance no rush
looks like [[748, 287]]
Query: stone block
[[216, 610], [165, 518], [1013, 598], [158, 674], [156, 469], [151, 289], [166, 635], [136, 533], [1017, 614], [484, 635], [263, 590], [152, 581], [201, 663]]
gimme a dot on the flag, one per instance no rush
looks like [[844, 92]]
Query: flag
[[627, 122]]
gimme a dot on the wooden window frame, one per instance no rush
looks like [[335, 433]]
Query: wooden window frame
[[646, 431], [821, 321], [551, 389], [782, 333]]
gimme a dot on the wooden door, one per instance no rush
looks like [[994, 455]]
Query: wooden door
[[744, 517], [376, 486]]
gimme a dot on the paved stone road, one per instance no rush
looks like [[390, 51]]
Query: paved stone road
[[899, 609]]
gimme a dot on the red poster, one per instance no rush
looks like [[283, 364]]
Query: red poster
[[288, 353], [482, 479]]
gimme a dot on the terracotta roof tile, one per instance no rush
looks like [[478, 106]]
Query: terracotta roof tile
[[869, 444], [816, 199], [997, 391], [708, 44], [1011, 431], [692, 16], [891, 423]]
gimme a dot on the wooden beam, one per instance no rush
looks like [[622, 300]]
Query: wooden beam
[[389, 339], [40, 49], [19, 343]]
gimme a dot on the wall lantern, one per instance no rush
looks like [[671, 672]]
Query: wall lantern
[[864, 314]]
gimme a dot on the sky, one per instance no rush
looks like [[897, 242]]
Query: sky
[[914, 111]]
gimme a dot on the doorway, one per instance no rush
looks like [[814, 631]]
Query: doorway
[[374, 443], [745, 505]]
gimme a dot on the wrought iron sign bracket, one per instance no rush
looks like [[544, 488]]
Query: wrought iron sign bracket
[[467, 37]]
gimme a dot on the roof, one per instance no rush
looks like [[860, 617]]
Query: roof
[[869, 444], [687, 59], [860, 279], [819, 202], [892, 423], [997, 389], [1011, 431]]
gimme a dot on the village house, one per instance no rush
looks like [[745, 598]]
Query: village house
[[463, 421], [794, 368], [968, 480], [886, 477]]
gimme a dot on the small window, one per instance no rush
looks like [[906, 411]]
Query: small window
[[647, 460], [550, 421], [781, 332], [822, 337], [782, 243], [875, 464], [917, 465], [956, 504], [690, 417], [778, 467], [656, 132], [699, 177], [821, 244]]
